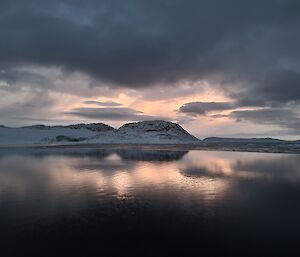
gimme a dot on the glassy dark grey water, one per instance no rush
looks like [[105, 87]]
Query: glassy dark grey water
[[113, 202]]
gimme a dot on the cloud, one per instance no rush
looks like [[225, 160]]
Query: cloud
[[114, 114], [155, 50], [30, 103], [202, 108], [275, 88], [54, 79], [284, 118], [107, 103], [145, 43]]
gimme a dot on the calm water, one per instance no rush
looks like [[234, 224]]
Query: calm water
[[87, 202]]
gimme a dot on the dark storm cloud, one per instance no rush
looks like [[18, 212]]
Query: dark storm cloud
[[202, 108], [273, 89], [249, 47], [15, 77], [107, 103], [117, 114], [284, 118]]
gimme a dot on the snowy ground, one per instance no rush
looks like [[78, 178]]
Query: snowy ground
[[31, 136], [149, 132]]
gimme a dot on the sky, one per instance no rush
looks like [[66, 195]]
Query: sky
[[218, 68]]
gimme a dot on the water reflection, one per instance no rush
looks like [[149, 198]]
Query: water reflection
[[171, 192], [30, 174]]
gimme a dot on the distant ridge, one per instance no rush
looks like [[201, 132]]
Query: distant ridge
[[267, 145], [243, 140]]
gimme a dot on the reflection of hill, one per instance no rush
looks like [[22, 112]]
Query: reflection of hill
[[150, 155], [201, 172], [40, 153], [125, 154]]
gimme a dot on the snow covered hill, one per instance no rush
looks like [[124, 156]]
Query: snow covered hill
[[146, 132], [155, 132]]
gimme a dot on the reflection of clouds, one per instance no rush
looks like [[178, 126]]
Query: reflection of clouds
[[121, 182], [284, 167], [158, 177], [107, 165], [209, 163], [55, 175], [240, 165], [155, 174], [44, 186], [58, 181]]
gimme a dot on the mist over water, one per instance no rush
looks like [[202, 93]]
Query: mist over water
[[104, 202]]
